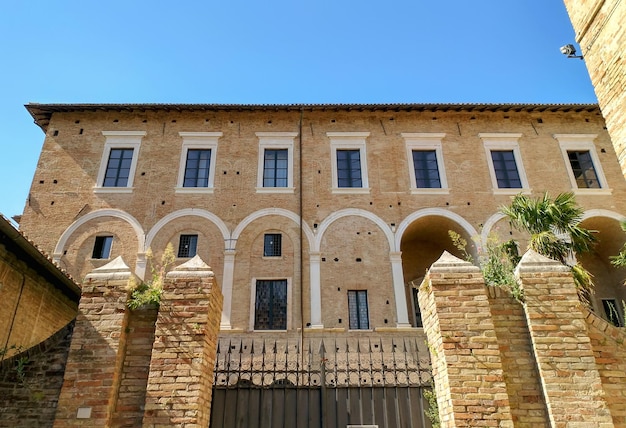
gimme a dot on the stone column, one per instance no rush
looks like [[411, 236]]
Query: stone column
[[227, 291], [562, 348], [315, 290], [399, 293], [92, 374], [466, 360], [183, 357]]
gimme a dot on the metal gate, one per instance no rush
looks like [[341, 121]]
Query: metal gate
[[322, 383]]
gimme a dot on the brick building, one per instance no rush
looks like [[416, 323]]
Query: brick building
[[318, 221]]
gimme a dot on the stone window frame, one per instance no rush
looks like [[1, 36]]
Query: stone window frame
[[119, 140], [582, 142], [275, 141], [197, 141], [425, 141], [505, 142], [349, 141], [367, 307], [253, 282]]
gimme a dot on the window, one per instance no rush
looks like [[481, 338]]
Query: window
[[187, 246], [102, 247], [119, 161], [611, 310], [275, 167], [582, 163], [197, 168], [357, 310], [505, 163], [505, 169], [349, 162], [426, 169], [272, 245], [270, 306], [197, 162]]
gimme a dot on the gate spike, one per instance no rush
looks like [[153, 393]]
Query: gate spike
[[230, 344], [218, 347], [404, 345], [263, 351], [287, 347], [241, 347], [358, 346], [252, 348], [322, 349]]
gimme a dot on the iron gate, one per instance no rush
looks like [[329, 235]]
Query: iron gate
[[322, 383]]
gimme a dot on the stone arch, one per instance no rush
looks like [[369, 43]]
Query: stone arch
[[58, 250], [268, 212], [358, 213], [187, 212]]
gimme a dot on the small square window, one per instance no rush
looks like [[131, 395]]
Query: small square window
[[197, 168], [583, 169], [187, 246], [102, 247], [612, 312], [270, 305], [357, 310], [505, 169], [272, 245]]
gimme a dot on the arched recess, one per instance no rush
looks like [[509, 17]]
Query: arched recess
[[183, 213], [422, 237], [499, 228], [58, 250], [384, 227], [609, 290], [75, 246]]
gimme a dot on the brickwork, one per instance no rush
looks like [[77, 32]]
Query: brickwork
[[467, 364], [571, 383], [93, 371], [599, 26], [28, 396], [183, 358]]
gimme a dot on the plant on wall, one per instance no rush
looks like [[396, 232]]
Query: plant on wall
[[620, 259], [149, 292]]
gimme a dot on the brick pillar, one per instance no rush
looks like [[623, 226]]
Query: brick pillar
[[467, 366], [183, 357], [562, 348], [96, 354]]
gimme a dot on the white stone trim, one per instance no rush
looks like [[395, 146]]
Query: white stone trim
[[582, 142], [347, 212], [315, 290], [402, 313], [602, 213], [349, 141], [505, 141], [488, 225], [253, 301], [275, 140], [228, 276], [199, 141], [416, 141], [119, 140]]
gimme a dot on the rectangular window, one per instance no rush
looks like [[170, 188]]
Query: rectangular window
[[272, 245], [118, 168], [426, 169], [187, 246], [505, 169], [197, 168], [270, 307], [349, 168], [583, 169], [102, 247], [357, 310], [275, 168], [612, 313]]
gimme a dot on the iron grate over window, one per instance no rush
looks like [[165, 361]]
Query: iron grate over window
[[188, 246], [272, 245]]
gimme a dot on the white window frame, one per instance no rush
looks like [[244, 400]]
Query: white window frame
[[422, 141], [197, 141], [119, 140], [279, 141], [509, 142], [253, 301], [582, 142], [349, 141]]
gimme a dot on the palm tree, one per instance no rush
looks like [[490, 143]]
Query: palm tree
[[555, 231], [620, 259]]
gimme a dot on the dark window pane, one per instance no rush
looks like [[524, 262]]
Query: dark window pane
[[272, 245], [357, 310], [349, 168], [118, 168], [426, 169], [187, 246], [583, 169], [275, 168], [102, 247], [270, 308], [197, 168], [505, 169]]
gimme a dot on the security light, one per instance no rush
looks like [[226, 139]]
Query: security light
[[570, 51]]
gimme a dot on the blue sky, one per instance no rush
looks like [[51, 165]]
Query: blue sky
[[277, 51]]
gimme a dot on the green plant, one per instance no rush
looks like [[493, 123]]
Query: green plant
[[432, 411], [20, 368], [149, 292], [620, 259]]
